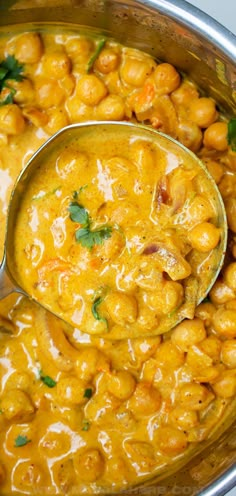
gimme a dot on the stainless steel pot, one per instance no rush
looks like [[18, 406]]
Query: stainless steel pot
[[176, 32]]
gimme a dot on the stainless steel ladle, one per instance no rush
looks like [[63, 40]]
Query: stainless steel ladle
[[8, 277]]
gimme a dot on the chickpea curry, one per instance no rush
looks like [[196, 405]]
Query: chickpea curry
[[80, 412], [125, 254]]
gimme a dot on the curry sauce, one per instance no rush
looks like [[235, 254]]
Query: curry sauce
[[80, 413]]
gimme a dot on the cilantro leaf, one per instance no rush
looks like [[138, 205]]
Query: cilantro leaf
[[94, 309], [89, 239], [88, 393], [47, 380], [232, 134], [95, 55], [21, 441], [85, 235], [77, 193], [9, 69], [78, 214]]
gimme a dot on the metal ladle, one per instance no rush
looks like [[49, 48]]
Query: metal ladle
[[8, 277]]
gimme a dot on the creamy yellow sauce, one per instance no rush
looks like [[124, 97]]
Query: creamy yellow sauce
[[136, 276], [80, 413]]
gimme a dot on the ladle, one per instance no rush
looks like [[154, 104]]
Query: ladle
[[8, 278]]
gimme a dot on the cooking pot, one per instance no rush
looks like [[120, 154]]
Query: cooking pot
[[176, 32]]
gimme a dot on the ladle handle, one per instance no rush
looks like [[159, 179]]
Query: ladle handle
[[6, 285]]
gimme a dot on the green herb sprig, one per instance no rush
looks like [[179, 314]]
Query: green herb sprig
[[88, 393], [47, 380], [232, 134], [10, 69], [85, 235], [21, 441], [95, 55]]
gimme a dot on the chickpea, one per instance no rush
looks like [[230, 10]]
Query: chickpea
[[147, 317], [37, 117], [224, 323], [89, 465], [11, 119], [215, 168], [203, 112], [227, 185], [228, 353], [212, 347], [167, 78], [189, 135], [122, 308], [91, 361], [215, 137], [170, 441], [107, 61], [113, 246], [56, 64], [230, 205], [29, 48], [143, 156], [169, 356], [200, 210], [225, 387], [184, 94], [27, 474], [134, 71], [221, 293], [141, 455], [182, 418], [68, 84], [145, 400], [91, 90], [57, 118], [194, 396], [111, 108], [230, 275], [205, 312], [19, 380], [70, 391], [25, 92], [188, 333], [48, 93], [79, 49], [64, 475], [54, 443], [16, 405], [121, 384], [204, 237], [71, 162], [145, 348]]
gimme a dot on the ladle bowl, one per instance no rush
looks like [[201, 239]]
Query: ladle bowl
[[9, 281]]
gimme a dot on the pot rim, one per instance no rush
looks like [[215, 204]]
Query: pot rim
[[199, 22]]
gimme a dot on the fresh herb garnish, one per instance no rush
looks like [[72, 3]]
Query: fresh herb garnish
[[232, 134], [95, 55], [88, 393], [89, 239], [21, 441], [77, 193], [9, 69], [44, 194], [85, 235], [47, 380], [1, 412], [86, 425], [95, 313], [79, 214]]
